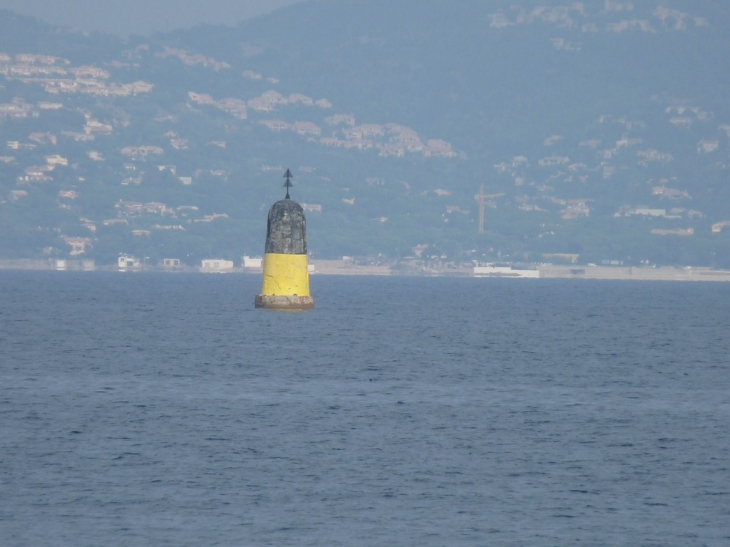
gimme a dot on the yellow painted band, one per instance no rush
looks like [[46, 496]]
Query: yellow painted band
[[285, 275]]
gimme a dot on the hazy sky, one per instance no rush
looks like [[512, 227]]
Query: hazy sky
[[126, 17]]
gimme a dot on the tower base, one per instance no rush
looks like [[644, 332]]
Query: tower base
[[283, 302]]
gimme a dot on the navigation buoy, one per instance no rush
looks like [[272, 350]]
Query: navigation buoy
[[286, 268]]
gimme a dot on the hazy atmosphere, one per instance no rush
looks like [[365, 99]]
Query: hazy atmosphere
[[364, 273], [422, 136], [125, 17]]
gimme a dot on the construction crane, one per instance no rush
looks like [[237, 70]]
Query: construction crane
[[482, 199]]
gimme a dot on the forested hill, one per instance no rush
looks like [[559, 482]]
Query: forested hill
[[597, 129]]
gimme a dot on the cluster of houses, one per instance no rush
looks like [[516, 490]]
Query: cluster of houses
[[685, 116], [39, 173], [56, 76], [575, 16], [389, 139], [126, 262], [78, 244], [571, 171], [132, 209], [20, 109], [571, 208], [17, 108], [579, 207], [135, 208], [269, 101], [139, 152], [272, 100], [675, 213], [234, 107], [192, 59]]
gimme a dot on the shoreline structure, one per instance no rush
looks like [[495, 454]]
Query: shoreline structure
[[345, 267]]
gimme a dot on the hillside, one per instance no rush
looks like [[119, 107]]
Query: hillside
[[597, 129]]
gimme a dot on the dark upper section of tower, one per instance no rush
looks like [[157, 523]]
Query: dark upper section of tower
[[286, 230]]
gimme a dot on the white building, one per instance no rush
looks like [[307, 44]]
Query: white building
[[216, 265], [126, 262], [251, 262], [504, 271]]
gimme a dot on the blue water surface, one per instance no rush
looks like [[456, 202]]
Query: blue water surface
[[163, 409]]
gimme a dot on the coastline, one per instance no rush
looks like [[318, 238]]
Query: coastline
[[348, 268], [631, 273]]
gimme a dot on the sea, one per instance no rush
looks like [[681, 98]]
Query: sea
[[151, 409]]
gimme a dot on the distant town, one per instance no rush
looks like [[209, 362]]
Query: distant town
[[152, 151], [350, 266]]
